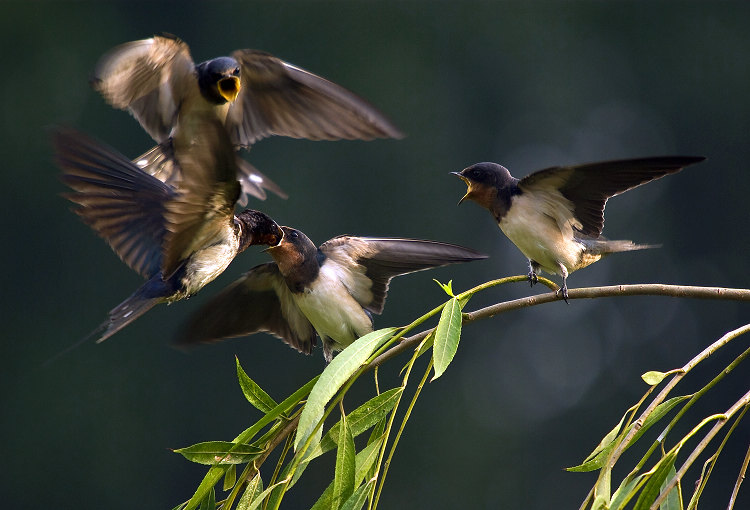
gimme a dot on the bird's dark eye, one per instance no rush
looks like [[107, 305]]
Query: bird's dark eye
[[236, 71], [294, 234]]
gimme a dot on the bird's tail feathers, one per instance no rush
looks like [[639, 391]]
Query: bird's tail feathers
[[605, 246], [147, 296]]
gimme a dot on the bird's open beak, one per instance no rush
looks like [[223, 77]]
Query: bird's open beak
[[229, 88], [279, 240], [468, 185]]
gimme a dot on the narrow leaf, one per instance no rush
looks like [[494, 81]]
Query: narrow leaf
[[359, 420], [209, 502], [653, 486], [357, 500], [333, 377], [596, 458], [447, 335], [216, 472], [219, 452], [250, 496], [343, 479], [254, 393], [258, 500], [625, 492], [364, 461], [657, 414], [230, 477], [672, 501]]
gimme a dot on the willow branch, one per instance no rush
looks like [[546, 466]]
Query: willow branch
[[507, 306], [642, 289]]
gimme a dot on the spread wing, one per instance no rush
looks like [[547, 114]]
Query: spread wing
[[149, 78], [124, 205], [202, 213], [258, 301], [372, 262], [589, 186], [278, 98]]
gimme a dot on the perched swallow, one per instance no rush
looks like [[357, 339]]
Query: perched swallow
[[178, 239], [254, 94], [332, 290], [555, 216]]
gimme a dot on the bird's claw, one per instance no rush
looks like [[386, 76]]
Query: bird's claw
[[532, 278], [563, 292]]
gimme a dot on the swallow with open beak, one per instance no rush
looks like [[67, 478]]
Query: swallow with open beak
[[179, 239], [253, 94], [556, 216], [332, 290]]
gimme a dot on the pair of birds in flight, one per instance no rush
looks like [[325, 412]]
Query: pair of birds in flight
[[169, 214]]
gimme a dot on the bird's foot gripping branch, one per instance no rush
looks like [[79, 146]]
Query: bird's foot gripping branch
[[296, 424]]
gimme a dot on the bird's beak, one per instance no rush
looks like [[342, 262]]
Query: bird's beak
[[279, 240], [229, 88], [468, 184]]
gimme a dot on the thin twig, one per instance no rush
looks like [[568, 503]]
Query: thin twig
[[740, 479]]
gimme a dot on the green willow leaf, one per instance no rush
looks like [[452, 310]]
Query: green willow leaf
[[219, 452], [359, 420], [657, 414], [625, 492], [216, 472], [343, 478], [363, 461], [252, 491], [358, 498], [209, 502], [653, 377], [599, 456], [230, 477], [254, 393], [672, 501], [596, 458], [258, 500], [447, 336], [653, 486], [335, 375]]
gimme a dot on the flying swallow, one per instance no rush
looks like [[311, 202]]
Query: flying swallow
[[254, 94], [556, 216], [179, 239], [332, 290]]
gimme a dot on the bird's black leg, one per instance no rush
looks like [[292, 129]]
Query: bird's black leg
[[563, 291], [533, 270]]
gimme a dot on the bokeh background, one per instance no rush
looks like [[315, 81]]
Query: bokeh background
[[526, 84]]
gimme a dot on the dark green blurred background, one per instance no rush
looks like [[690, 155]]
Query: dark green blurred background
[[524, 84]]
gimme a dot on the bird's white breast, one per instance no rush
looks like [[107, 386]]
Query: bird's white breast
[[541, 226], [208, 263], [333, 312]]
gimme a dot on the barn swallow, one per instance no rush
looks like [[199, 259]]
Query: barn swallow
[[178, 239], [254, 94], [555, 216], [332, 290]]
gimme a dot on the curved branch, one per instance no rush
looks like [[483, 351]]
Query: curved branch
[[642, 289]]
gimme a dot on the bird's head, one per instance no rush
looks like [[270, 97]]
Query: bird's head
[[483, 181], [219, 79], [258, 228], [293, 251]]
